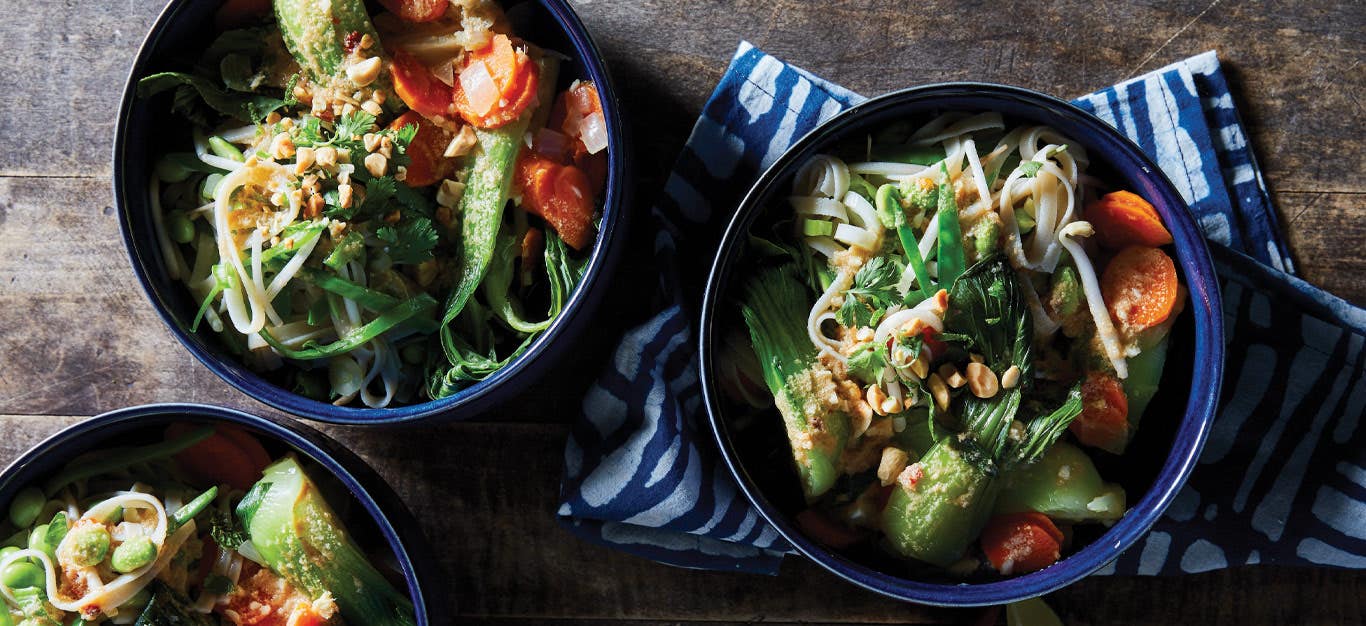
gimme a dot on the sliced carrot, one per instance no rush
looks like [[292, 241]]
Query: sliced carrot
[[1124, 219], [1140, 288], [825, 530], [417, 10], [304, 615], [418, 87], [1019, 543], [1104, 419], [560, 194], [220, 459], [427, 162], [248, 444], [515, 76]]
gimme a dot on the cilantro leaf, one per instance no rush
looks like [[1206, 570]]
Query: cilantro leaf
[[873, 291], [867, 363], [405, 135], [352, 124], [411, 242], [1029, 169]]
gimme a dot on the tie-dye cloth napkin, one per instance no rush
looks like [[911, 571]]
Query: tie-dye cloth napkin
[[1282, 479]]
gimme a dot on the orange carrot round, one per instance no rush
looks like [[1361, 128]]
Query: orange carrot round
[[427, 162], [417, 86], [1104, 419], [1140, 288], [561, 194], [1124, 219], [229, 456], [515, 76], [1018, 543]]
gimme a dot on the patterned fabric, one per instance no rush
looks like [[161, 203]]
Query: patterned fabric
[[1282, 479]]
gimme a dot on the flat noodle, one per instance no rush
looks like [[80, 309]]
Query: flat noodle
[[1095, 300]]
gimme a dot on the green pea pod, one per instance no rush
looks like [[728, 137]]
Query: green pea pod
[[486, 193], [889, 203], [942, 513], [951, 257], [317, 34], [192, 508]]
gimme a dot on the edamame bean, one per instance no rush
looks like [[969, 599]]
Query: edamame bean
[[171, 171], [22, 575], [221, 147], [89, 545], [179, 227], [132, 554], [26, 506], [37, 540]]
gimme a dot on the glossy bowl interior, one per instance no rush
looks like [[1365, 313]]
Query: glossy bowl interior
[[374, 514], [146, 129], [1173, 429]]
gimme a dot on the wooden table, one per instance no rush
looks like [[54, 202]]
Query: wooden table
[[78, 338]]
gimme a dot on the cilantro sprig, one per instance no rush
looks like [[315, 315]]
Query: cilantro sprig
[[411, 241], [873, 292]]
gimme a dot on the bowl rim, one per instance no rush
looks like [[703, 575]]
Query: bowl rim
[[468, 402], [1189, 440], [359, 479]]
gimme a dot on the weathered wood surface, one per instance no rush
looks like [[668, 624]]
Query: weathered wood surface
[[78, 338]]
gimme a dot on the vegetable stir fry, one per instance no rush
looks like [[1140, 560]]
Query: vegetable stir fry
[[379, 209], [938, 309], [202, 528]]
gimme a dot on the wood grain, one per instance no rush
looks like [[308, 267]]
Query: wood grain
[[77, 337]]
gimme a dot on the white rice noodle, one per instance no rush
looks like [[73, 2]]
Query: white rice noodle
[[821, 312], [206, 601], [826, 246], [860, 208], [981, 121], [1095, 301], [219, 162], [1048, 185], [935, 125], [175, 264], [384, 367], [930, 237], [856, 236], [823, 174], [356, 273], [886, 169], [812, 206]]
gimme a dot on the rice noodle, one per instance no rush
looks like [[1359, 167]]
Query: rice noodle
[[823, 173], [821, 309], [882, 168], [175, 264], [981, 121]]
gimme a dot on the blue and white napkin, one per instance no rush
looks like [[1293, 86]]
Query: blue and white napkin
[[1282, 479]]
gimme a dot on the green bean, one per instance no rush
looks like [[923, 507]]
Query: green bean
[[133, 554], [889, 201], [89, 545], [221, 147], [22, 575], [121, 459], [187, 512], [24, 509], [179, 226], [951, 257]]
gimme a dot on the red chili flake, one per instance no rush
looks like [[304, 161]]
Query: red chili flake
[[352, 40]]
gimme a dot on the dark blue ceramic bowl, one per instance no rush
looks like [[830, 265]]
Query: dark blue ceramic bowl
[[375, 512], [1175, 424], [145, 129]]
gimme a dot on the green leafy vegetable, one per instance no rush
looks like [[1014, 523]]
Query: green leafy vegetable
[[867, 363], [411, 242], [246, 107], [774, 305], [873, 291], [1030, 169], [226, 532]]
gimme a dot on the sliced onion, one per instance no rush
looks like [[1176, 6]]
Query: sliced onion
[[550, 143], [444, 72], [480, 91], [593, 132]]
